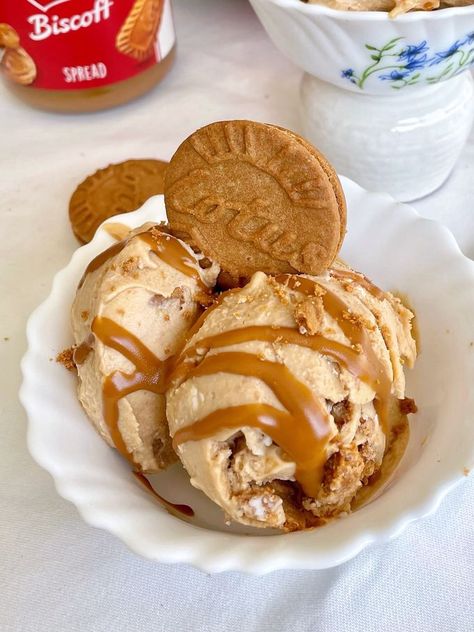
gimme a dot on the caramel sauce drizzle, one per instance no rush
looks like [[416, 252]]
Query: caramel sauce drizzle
[[337, 309], [171, 251], [173, 507], [302, 432], [347, 356], [148, 374], [102, 258], [166, 247], [361, 279]]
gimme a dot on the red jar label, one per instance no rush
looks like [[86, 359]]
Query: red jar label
[[79, 44]]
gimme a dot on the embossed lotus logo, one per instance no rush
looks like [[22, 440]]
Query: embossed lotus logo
[[46, 6]]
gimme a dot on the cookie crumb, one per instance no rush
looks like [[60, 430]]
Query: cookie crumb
[[84, 314], [204, 299], [358, 320], [466, 471], [179, 293], [407, 406], [130, 266], [205, 263], [309, 315], [66, 358]]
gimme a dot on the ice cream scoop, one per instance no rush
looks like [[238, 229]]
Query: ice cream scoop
[[133, 306], [287, 394]]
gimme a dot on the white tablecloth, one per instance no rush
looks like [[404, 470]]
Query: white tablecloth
[[57, 573]]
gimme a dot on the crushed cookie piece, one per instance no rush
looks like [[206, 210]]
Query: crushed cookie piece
[[166, 317], [342, 412], [204, 299], [179, 293], [280, 291], [84, 314], [466, 471], [318, 290], [130, 266], [309, 315], [407, 406], [66, 358], [157, 232], [205, 263], [358, 320]]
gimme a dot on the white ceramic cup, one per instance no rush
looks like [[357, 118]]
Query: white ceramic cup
[[388, 100]]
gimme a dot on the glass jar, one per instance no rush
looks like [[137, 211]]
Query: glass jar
[[84, 55]]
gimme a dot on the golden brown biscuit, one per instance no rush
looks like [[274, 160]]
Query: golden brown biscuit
[[256, 197], [9, 38], [18, 66], [137, 35], [118, 188], [333, 178]]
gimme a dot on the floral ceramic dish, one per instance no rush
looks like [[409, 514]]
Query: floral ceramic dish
[[369, 51], [387, 100]]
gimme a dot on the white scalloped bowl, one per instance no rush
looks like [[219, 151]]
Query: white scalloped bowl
[[332, 44], [400, 251]]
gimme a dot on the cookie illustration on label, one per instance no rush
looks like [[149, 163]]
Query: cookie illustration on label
[[119, 188], [137, 36], [9, 38], [256, 197], [18, 66]]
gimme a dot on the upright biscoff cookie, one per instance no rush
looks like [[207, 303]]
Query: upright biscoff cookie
[[137, 35], [118, 188], [255, 197], [333, 179]]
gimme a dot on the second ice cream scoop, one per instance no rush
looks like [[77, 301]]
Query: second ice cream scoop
[[284, 401]]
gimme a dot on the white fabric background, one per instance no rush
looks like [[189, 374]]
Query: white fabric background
[[57, 573]]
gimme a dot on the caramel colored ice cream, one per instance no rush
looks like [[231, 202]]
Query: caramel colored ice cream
[[131, 312], [287, 394]]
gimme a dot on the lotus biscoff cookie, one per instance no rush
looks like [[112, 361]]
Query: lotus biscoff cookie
[[137, 36], [255, 197], [119, 188]]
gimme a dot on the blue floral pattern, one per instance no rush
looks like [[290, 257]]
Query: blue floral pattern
[[401, 64]]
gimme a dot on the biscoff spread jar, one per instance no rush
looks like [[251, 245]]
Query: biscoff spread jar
[[84, 55]]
